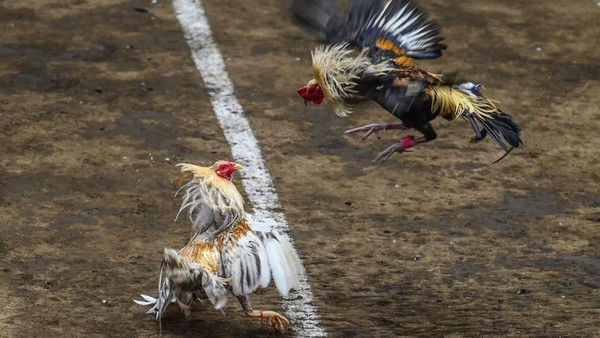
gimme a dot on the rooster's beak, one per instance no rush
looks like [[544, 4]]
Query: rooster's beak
[[237, 167]]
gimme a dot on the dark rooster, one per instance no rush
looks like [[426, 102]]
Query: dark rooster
[[369, 55]]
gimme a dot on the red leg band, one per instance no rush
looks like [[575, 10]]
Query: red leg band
[[408, 142], [389, 126], [261, 314]]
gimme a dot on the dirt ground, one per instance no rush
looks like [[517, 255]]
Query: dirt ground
[[99, 100]]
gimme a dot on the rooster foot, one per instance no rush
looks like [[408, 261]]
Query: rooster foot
[[405, 143], [375, 128], [274, 319]]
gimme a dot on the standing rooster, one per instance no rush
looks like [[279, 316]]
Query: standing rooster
[[369, 56], [227, 253]]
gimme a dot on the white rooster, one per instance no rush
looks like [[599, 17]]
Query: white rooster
[[227, 253]]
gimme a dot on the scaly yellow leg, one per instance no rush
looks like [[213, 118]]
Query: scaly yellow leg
[[273, 318]]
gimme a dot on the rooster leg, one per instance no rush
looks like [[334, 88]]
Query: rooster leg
[[408, 142], [405, 143], [376, 128], [274, 319]]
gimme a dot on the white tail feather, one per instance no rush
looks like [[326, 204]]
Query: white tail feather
[[264, 276], [285, 264], [147, 300]]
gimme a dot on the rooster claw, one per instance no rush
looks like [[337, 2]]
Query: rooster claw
[[404, 144], [273, 318], [368, 129], [376, 128], [278, 321], [388, 152]]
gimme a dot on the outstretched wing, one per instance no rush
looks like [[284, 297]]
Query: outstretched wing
[[252, 257], [397, 29], [322, 18]]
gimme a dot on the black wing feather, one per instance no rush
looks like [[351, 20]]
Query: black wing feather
[[399, 21], [322, 17], [407, 26]]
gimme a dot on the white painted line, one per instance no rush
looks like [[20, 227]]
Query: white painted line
[[304, 320]]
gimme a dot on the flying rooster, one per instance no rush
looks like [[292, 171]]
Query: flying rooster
[[229, 252], [369, 55]]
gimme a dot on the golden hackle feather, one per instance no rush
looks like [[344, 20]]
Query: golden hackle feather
[[451, 103], [221, 194], [336, 67]]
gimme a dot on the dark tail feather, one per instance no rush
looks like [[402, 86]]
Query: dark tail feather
[[479, 134], [467, 100], [501, 128], [503, 156], [320, 16], [509, 129]]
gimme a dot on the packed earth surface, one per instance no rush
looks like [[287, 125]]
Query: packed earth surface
[[100, 99]]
